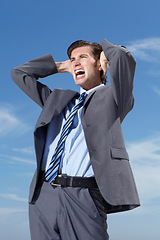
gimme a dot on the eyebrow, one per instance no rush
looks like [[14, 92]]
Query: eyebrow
[[72, 58], [83, 54]]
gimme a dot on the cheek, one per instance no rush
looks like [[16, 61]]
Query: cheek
[[72, 71]]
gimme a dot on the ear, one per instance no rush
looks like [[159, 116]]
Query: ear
[[99, 65]]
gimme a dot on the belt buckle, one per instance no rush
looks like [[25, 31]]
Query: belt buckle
[[64, 184], [55, 184]]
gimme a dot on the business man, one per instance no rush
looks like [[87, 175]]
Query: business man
[[83, 169]]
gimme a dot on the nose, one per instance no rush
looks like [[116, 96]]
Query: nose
[[77, 63]]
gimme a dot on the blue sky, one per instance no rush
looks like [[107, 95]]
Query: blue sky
[[30, 29]]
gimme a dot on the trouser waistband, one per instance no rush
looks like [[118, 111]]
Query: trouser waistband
[[68, 181]]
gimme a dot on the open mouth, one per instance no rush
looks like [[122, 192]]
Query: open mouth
[[79, 73]]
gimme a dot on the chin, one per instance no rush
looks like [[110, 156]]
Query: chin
[[79, 82]]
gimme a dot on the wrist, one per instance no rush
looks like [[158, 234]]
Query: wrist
[[60, 67], [63, 66]]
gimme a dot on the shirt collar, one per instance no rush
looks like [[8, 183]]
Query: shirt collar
[[90, 90]]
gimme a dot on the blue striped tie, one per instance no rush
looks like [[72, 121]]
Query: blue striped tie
[[53, 168]]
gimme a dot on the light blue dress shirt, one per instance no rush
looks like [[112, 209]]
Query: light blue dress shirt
[[75, 159]]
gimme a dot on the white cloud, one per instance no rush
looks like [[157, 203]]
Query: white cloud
[[14, 223], [27, 150], [155, 89], [22, 160], [30, 174], [18, 159], [154, 72], [147, 49], [145, 159], [9, 122], [7, 211], [13, 196], [144, 150]]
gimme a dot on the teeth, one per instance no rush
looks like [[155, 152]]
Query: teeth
[[79, 71]]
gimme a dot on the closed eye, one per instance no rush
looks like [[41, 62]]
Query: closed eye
[[72, 59], [84, 56], [81, 56]]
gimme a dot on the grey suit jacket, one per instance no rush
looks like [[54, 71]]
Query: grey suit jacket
[[102, 115]]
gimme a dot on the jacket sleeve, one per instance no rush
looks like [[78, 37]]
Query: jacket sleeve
[[121, 68], [26, 76]]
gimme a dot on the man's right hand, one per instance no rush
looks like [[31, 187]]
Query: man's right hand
[[64, 66]]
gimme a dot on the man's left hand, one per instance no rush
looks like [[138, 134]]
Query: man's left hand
[[104, 64]]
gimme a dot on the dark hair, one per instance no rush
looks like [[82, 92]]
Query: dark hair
[[96, 50]]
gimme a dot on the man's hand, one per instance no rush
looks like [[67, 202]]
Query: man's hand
[[64, 66], [104, 64]]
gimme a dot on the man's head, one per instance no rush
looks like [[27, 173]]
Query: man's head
[[96, 48], [85, 63]]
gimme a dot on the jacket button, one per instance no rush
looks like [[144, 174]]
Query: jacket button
[[43, 123]]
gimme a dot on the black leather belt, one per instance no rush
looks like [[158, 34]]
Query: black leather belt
[[67, 181]]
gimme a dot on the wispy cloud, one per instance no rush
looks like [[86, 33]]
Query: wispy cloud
[[7, 211], [155, 89], [22, 160], [145, 159], [147, 49], [9, 122], [14, 223], [18, 159], [27, 150], [144, 150], [154, 72], [12, 196]]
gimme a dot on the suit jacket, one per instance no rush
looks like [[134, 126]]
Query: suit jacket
[[103, 112]]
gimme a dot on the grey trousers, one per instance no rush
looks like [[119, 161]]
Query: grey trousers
[[68, 214]]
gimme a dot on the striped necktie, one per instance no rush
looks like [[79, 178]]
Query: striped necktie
[[53, 168]]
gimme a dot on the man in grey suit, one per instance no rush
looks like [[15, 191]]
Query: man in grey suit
[[83, 169]]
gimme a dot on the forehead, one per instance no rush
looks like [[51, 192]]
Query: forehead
[[82, 50]]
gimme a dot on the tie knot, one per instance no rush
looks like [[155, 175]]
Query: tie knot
[[82, 96]]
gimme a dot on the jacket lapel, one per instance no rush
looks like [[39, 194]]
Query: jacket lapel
[[87, 101], [54, 105]]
